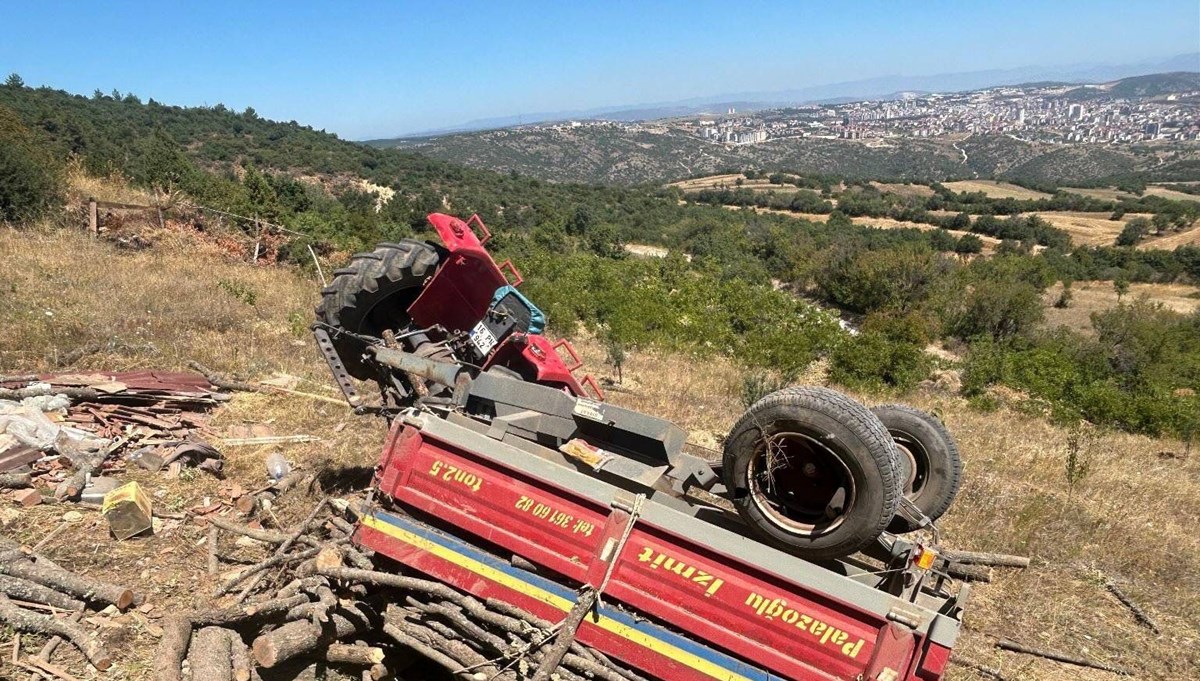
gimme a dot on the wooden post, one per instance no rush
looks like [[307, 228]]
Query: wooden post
[[318, 264], [257, 239], [93, 218], [158, 206]]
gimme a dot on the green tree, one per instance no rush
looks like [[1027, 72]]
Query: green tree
[[1134, 231], [1121, 286], [14, 81], [30, 181]]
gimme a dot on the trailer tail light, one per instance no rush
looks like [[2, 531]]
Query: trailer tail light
[[933, 664], [924, 557]]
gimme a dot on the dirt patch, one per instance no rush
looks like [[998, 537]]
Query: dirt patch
[[996, 190]]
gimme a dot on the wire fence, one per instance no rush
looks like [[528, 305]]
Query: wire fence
[[261, 227]]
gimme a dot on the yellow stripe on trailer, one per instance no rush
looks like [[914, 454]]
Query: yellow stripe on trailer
[[509, 581]]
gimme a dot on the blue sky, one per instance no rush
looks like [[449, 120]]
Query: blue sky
[[374, 69]]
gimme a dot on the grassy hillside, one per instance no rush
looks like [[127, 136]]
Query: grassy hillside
[[1125, 510], [612, 155]]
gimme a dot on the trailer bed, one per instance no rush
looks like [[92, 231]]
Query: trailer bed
[[683, 598]]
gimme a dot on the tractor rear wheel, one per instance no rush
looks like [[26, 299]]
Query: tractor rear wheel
[[930, 465], [812, 472], [372, 294]]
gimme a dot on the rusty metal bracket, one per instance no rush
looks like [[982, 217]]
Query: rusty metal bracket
[[340, 375]]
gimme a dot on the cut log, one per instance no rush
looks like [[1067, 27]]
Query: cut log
[[970, 573], [226, 617], [15, 480], [1015, 647], [209, 655], [239, 656], [258, 568], [32, 591], [23, 620], [993, 559], [295, 638], [213, 564], [363, 656], [172, 648], [1138, 614], [51, 645], [328, 557], [48, 574], [565, 636]]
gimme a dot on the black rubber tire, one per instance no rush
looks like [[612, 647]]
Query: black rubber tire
[[938, 471], [845, 429], [373, 293]]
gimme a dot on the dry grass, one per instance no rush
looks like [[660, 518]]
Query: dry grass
[[1102, 193], [1132, 516], [989, 243], [1171, 194], [1095, 296], [904, 189], [1091, 229], [996, 190], [1187, 237]]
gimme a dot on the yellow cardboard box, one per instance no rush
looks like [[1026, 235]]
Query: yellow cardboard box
[[127, 510]]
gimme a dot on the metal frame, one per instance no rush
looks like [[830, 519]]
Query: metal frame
[[909, 636]]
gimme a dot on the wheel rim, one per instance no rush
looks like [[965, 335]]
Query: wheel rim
[[800, 485], [915, 462]]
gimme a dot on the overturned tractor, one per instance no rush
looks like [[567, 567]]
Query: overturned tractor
[[444, 330]]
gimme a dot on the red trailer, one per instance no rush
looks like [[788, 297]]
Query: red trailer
[[684, 593]]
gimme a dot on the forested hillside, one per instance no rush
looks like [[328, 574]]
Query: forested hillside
[[737, 291]]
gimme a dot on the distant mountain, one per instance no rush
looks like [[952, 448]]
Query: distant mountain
[[882, 87], [615, 153], [1152, 85]]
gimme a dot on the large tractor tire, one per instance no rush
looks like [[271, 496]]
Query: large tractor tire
[[930, 465], [812, 472], [373, 293]]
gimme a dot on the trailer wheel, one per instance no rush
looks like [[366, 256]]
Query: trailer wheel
[[812, 472], [931, 468], [373, 293]]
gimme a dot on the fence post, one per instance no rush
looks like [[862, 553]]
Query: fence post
[[158, 206], [93, 217], [257, 239]]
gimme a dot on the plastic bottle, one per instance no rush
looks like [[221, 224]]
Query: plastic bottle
[[277, 466]]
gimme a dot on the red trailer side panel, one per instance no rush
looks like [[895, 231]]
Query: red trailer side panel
[[755, 615]]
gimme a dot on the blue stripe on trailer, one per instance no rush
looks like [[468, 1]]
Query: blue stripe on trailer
[[656, 638]]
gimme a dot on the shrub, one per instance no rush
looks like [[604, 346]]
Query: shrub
[[900, 279], [873, 361], [29, 180]]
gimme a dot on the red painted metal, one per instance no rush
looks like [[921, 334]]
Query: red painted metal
[[639, 657], [460, 293], [783, 626]]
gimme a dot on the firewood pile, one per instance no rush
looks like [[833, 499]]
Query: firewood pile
[[318, 600], [59, 430], [39, 596]]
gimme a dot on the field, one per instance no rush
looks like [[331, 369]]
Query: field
[[1130, 516], [1091, 229], [996, 190], [1102, 193], [1171, 194], [1093, 296], [1174, 239], [989, 243], [731, 181]]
